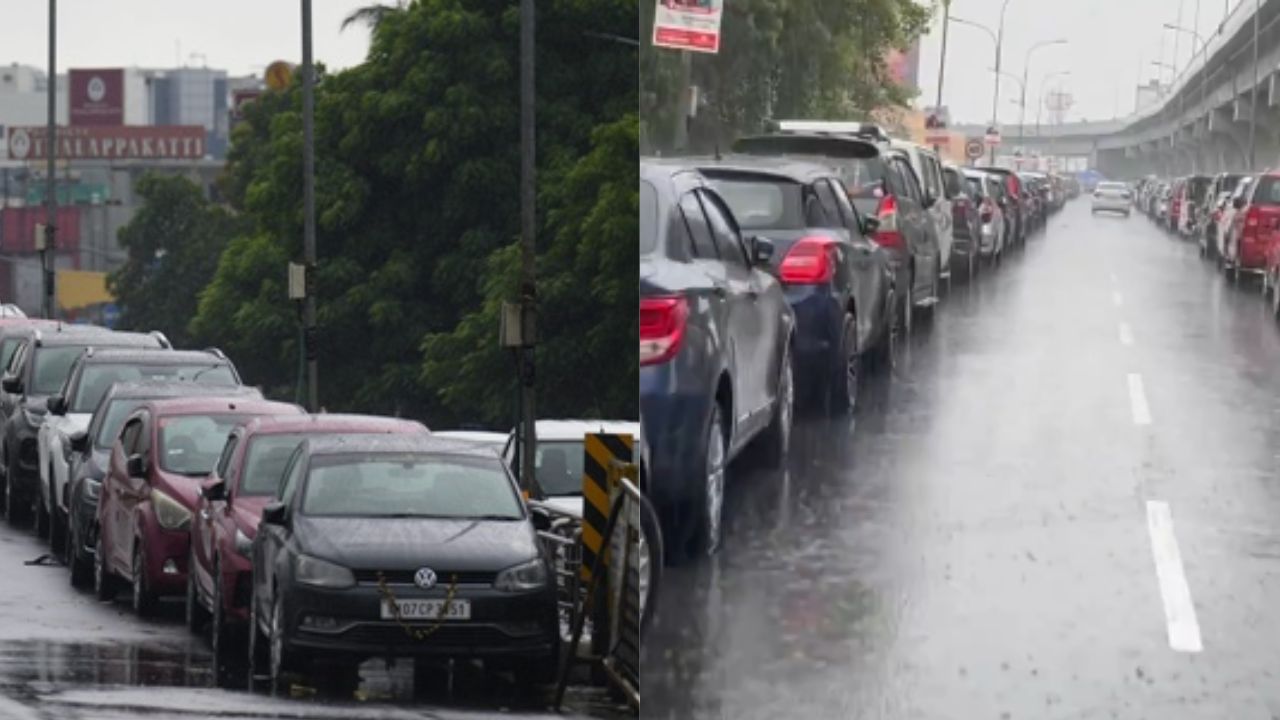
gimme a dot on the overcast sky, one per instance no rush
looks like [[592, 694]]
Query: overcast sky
[[1111, 45], [240, 36]]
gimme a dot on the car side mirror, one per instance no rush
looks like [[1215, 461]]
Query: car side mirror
[[275, 513], [11, 384], [136, 466], [57, 405], [79, 441], [870, 225], [929, 202], [1236, 203], [761, 250], [214, 490]]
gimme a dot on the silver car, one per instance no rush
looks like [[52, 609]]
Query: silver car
[[1112, 197]]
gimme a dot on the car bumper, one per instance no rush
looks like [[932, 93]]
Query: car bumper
[[817, 339], [674, 413], [1253, 255], [1110, 206], [166, 554], [502, 624]]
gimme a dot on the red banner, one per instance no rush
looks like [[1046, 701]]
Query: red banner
[[97, 97], [171, 142]]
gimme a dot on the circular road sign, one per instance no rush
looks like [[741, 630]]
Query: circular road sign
[[974, 148]]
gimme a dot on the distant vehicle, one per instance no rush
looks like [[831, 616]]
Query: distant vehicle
[[369, 534], [1227, 225], [152, 487], [1255, 226], [990, 192], [966, 219], [558, 464], [1217, 197], [716, 350], [1192, 203], [1112, 197], [1018, 208]]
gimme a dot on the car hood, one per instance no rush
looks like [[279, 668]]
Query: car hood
[[185, 489], [410, 543], [571, 504]]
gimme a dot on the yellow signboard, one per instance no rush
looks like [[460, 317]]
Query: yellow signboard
[[81, 288]]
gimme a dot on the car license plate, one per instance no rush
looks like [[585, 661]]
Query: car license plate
[[428, 610]]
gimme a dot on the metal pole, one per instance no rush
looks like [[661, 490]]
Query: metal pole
[[995, 96], [528, 228], [1022, 104], [1253, 93], [1176, 38], [309, 210], [942, 60], [48, 259]]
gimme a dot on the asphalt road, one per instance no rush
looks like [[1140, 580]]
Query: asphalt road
[[65, 656], [1063, 504]]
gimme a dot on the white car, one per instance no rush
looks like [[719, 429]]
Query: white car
[[1112, 197], [1224, 238], [559, 460]]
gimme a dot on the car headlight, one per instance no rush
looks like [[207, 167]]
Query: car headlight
[[526, 576], [169, 512], [322, 573], [244, 545]]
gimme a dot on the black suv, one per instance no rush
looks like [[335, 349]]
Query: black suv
[[38, 368], [91, 450], [71, 408]]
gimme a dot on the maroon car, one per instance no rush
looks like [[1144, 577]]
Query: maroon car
[[151, 488], [246, 478]]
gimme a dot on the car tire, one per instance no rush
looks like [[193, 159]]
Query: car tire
[[847, 374], [908, 306], [195, 615], [284, 661], [104, 582], [81, 574], [775, 441], [221, 633], [143, 599], [258, 656], [709, 528]]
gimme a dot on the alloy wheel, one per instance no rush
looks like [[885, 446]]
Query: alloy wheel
[[852, 365], [786, 411], [714, 471], [277, 640]]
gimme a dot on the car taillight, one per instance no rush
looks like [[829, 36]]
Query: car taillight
[[662, 325], [888, 234], [808, 262]]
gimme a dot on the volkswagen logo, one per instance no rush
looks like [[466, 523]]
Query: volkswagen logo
[[425, 578]]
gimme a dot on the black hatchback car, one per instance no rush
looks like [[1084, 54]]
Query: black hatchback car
[[385, 546], [837, 280], [716, 341]]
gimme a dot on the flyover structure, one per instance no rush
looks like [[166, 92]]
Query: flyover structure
[[1202, 124]]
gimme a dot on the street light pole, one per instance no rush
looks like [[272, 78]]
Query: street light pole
[[942, 59], [1026, 67], [309, 212], [995, 96], [1044, 82], [528, 226], [1253, 92], [48, 257]]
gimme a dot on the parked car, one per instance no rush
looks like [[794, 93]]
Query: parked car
[[1018, 210], [1177, 198], [716, 342], [370, 535], [1239, 197], [149, 495], [38, 369], [1217, 199], [881, 184], [1255, 226], [966, 216], [990, 192], [1111, 197], [91, 453], [71, 408], [246, 478], [1193, 191], [558, 463], [837, 280]]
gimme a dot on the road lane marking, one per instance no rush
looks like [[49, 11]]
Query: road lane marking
[[1117, 298], [1126, 335], [1138, 400], [1179, 610]]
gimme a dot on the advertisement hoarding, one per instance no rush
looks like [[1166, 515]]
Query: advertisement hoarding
[[96, 97], [904, 66], [164, 142], [688, 25]]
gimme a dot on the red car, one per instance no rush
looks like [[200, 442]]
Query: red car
[[151, 488], [1255, 227], [230, 505]]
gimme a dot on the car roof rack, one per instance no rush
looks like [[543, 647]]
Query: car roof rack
[[216, 353], [164, 341]]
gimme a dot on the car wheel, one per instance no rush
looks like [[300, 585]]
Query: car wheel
[[144, 600], [15, 510], [220, 631], [711, 502], [776, 439], [104, 583], [283, 660], [258, 656], [848, 370], [196, 616], [81, 571], [909, 305]]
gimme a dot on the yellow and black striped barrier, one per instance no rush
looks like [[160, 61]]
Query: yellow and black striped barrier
[[602, 451]]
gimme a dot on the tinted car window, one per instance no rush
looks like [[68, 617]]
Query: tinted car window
[[558, 467], [265, 463], [701, 245], [52, 366], [975, 187], [648, 218], [192, 444], [116, 412], [910, 183], [98, 378], [762, 203], [847, 212], [409, 485], [726, 237], [829, 206]]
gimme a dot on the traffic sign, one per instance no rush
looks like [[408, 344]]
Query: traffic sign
[[993, 135], [974, 147]]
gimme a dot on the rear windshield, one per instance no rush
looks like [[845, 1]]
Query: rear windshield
[[975, 187], [1267, 192], [410, 485], [648, 218], [98, 378], [762, 204], [192, 444]]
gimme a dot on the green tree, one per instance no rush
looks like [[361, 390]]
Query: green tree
[[172, 245]]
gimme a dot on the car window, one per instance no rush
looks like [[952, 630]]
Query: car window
[[848, 214], [192, 444], [7, 348], [292, 477], [19, 356], [228, 450], [266, 460], [412, 485], [829, 207], [115, 414], [726, 235], [975, 187], [910, 182], [762, 203], [1267, 191], [129, 436], [952, 180], [98, 378], [52, 365], [701, 244], [929, 169], [558, 466]]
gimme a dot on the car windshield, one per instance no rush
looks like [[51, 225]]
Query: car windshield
[[265, 462], [762, 204], [192, 444], [112, 418], [96, 379], [1268, 191], [558, 467], [410, 485], [52, 366], [648, 218]]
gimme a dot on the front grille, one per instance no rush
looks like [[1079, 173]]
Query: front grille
[[445, 635], [444, 577]]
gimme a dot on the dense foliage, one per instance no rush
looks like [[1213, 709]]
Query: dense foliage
[[822, 59], [418, 218]]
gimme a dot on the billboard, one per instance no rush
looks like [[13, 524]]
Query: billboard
[[96, 97], [143, 142], [688, 25], [904, 66]]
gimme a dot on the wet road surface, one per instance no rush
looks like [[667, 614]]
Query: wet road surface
[[65, 656], [1063, 504]]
